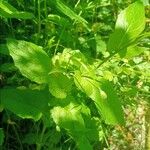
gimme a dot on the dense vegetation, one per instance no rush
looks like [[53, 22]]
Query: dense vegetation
[[75, 74]]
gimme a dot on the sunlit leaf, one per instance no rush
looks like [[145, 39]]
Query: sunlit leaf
[[70, 118], [130, 23], [104, 96], [31, 60], [111, 104], [59, 85], [8, 11]]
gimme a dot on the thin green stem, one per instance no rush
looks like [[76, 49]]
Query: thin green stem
[[105, 138], [111, 55], [11, 27], [45, 8], [55, 51], [106, 59], [39, 17], [39, 145], [18, 138], [16, 133]]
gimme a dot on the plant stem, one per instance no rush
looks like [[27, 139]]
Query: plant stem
[[39, 17], [45, 8], [111, 55], [61, 35], [39, 145], [11, 27], [106, 59], [16, 133]]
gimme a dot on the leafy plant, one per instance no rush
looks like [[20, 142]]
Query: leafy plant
[[8, 11], [79, 94]]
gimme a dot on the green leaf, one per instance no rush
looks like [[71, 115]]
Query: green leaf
[[145, 2], [85, 79], [104, 96], [100, 45], [83, 143], [30, 59], [3, 49], [8, 11], [133, 51], [130, 23], [59, 85], [70, 118], [70, 13], [1, 136], [69, 59], [22, 15], [58, 20], [25, 103], [110, 104], [85, 83]]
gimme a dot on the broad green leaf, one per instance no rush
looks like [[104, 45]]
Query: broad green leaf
[[85, 79], [25, 103], [30, 59], [8, 11], [1, 136], [110, 102], [92, 127], [104, 97], [70, 118], [130, 23], [85, 83], [83, 143], [59, 85]]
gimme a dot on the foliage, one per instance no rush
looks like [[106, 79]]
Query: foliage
[[63, 69], [1, 136]]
